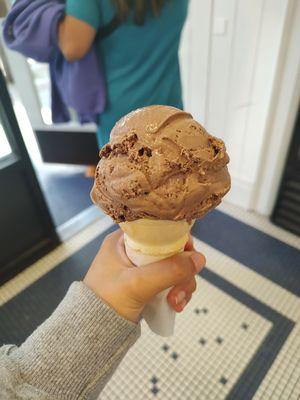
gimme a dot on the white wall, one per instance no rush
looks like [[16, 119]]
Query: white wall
[[230, 57]]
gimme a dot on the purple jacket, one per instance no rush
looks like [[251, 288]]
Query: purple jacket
[[31, 29]]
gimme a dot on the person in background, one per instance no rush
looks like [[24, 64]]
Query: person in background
[[73, 353], [140, 56]]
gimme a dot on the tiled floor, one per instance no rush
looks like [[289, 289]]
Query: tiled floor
[[66, 189], [205, 358], [238, 339]]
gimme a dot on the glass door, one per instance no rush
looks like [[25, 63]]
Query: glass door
[[59, 152], [26, 228]]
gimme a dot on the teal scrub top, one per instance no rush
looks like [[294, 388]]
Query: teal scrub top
[[140, 62]]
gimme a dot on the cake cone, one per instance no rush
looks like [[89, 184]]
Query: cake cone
[[148, 241]]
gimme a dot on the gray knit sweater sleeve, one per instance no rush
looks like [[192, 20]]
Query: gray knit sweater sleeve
[[71, 355]]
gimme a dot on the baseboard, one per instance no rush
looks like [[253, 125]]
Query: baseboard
[[240, 193], [79, 222]]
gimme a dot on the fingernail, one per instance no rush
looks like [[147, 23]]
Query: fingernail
[[198, 261], [183, 304], [180, 297]]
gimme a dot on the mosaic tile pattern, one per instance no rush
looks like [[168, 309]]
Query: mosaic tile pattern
[[223, 349], [193, 364]]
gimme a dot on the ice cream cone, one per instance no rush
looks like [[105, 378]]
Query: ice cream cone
[[148, 241], [162, 163]]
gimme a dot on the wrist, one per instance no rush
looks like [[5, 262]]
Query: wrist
[[123, 307]]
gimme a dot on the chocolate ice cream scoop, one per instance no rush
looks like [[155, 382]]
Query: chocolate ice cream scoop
[[160, 164]]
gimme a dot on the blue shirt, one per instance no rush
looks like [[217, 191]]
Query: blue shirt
[[140, 62]]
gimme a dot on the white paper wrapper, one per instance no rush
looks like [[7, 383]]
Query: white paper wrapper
[[159, 316]]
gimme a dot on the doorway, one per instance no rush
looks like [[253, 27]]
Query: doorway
[[59, 153]]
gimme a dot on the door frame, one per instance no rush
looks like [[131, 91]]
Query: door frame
[[14, 136], [282, 115]]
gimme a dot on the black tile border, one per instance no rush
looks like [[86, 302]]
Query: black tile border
[[254, 373], [254, 249]]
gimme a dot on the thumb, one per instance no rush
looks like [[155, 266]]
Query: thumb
[[170, 272]]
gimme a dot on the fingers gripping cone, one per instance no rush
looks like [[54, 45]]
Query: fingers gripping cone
[[148, 241]]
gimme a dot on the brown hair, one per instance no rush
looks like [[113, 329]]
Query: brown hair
[[140, 7]]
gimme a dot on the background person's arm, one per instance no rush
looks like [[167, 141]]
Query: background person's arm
[[75, 38], [78, 29]]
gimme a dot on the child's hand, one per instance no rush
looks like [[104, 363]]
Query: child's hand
[[128, 289]]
